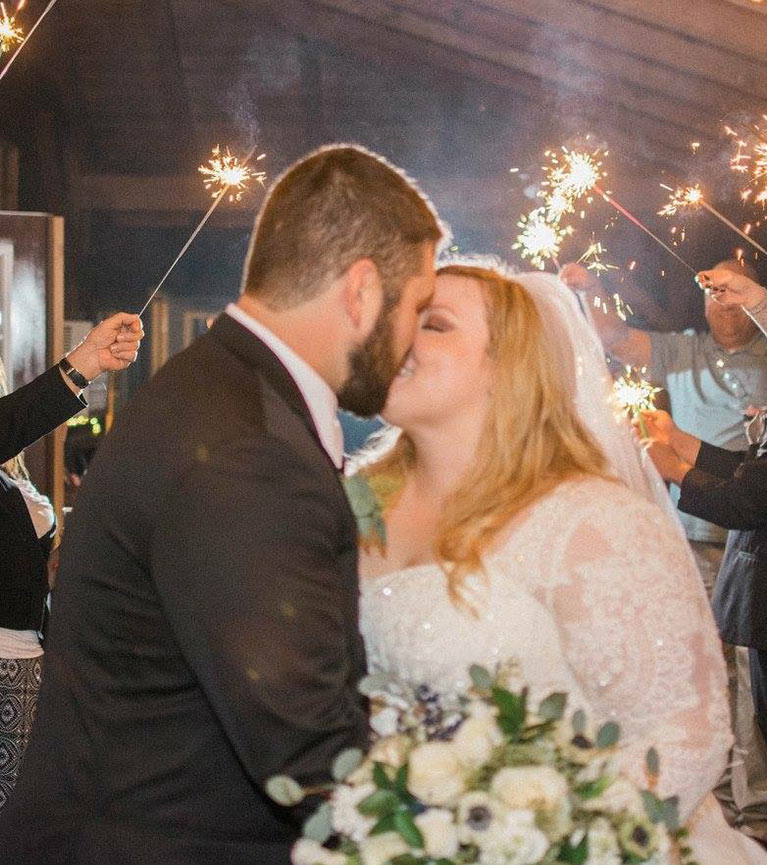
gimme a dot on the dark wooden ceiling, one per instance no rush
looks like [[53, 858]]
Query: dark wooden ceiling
[[456, 91]]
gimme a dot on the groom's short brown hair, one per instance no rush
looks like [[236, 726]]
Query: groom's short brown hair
[[331, 208]]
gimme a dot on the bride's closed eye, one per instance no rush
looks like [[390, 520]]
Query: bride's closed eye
[[432, 321]]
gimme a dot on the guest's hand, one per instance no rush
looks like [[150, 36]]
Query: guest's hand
[[730, 288], [579, 278], [111, 345], [659, 425], [670, 465]]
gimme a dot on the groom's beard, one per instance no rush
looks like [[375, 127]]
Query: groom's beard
[[372, 368]]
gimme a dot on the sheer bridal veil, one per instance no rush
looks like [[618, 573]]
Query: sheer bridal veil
[[581, 356]]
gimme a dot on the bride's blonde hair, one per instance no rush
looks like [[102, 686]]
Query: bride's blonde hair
[[532, 440]]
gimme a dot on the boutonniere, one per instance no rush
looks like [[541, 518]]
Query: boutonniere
[[368, 497]]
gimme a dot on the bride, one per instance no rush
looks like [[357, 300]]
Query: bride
[[521, 525]]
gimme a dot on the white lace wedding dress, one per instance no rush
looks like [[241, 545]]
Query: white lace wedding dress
[[594, 593]]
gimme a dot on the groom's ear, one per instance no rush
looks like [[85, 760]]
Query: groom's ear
[[362, 295]]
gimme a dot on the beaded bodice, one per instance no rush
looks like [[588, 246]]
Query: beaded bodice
[[593, 592]]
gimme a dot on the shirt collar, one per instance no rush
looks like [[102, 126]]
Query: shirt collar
[[317, 393]]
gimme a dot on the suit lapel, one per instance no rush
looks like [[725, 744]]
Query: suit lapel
[[257, 355]]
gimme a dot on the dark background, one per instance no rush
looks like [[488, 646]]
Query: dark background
[[113, 105]]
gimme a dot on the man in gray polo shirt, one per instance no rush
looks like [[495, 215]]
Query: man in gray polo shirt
[[712, 380]]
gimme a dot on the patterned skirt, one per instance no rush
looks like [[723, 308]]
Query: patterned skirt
[[19, 686]]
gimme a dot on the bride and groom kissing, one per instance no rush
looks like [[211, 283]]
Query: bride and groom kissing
[[213, 614]]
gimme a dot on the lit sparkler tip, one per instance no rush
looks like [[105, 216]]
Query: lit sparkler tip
[[224, 174], [541, 237], [10, 33], [634, 393], [681, 198]]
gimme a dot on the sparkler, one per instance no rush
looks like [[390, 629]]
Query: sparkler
[[634, 395], [541, 238], [233, 176], [630, 216], [26, 39], [592, 257], [10, 33], [569, 175], [225, 172], [692, 196]]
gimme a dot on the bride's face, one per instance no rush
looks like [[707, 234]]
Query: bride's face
[[448, 372]]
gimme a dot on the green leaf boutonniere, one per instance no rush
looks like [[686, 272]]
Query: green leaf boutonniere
[[369, 497]]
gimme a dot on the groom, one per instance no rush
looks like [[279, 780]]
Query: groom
[[204, 630]]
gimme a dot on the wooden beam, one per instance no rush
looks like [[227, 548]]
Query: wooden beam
[[674, 114], [615, 31], [648, 138], [738, 29]]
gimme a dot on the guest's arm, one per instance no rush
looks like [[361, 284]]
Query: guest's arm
[[738, 502], [46, 402]]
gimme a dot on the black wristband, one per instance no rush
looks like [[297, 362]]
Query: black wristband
[[77, 378]]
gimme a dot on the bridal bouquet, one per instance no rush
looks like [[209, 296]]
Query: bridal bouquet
[[483, 778]]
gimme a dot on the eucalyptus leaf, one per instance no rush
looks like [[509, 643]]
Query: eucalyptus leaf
[[345, 763], [481, 677], [652, 760], [671, 813], [319, 827], [608, 735], [579, 722], [284, 790], [653, 806], [592, 789], [553, 707]]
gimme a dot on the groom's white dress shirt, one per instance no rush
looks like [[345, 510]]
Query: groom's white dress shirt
[[317, 393]]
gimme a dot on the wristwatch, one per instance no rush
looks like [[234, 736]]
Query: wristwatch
[[77, 378]]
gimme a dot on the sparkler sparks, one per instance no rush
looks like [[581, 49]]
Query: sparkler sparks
[[225, 173], [592, 258], [236, 177], [634, 395], [541, 237], [569, 175], [681, 198], [10, 33]]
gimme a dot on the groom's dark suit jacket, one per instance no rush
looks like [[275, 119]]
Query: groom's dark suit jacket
[[204, 629], [730, 489]]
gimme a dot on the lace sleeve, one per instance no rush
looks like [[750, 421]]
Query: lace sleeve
[[641, 641]]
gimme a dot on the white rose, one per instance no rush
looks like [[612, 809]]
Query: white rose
[[529, 787], [379, 849], [346, 819], [440, 834], [435, 775], [391, 751], [384, 722], [603, 844], [476, 738], [307, 852], [514, 840]]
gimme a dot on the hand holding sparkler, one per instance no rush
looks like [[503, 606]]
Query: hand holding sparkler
[[579, 278], [731, 288], [634, 395], [673, 451]]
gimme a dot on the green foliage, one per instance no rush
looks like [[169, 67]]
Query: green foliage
[[608, 735], [319, 827], [512, 711], [284, 790], [345, 763], [553, 707], [574, 855]]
